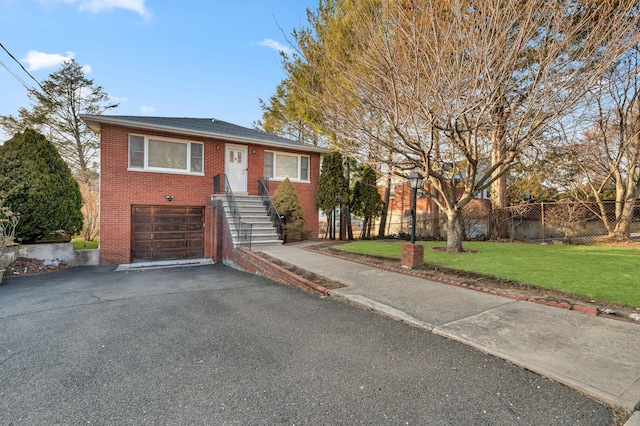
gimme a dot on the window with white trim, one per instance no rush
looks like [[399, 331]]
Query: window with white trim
[[279, 165], [165, 155]]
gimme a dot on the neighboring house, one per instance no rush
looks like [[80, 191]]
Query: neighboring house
[[157, 176], [430, 220]]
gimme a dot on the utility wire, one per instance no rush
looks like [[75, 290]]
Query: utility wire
[[16, 76], [23, 68]]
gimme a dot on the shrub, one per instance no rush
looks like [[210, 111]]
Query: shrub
[[8, 222], [287, 203], [36, 183]]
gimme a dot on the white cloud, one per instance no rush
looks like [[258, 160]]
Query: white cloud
[[37, 60], [97, 6], [86, 69], [272, 44], [147, 110]]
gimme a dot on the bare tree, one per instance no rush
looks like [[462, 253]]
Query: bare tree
[[457, 89], [608, 152], [90, 209]]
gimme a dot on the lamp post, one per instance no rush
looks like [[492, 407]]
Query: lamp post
[[413, 254], [415, 182]]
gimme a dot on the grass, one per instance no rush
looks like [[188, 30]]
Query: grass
[[78, 244], [604, 273]]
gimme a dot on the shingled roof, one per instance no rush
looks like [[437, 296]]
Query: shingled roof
[[205, 127]]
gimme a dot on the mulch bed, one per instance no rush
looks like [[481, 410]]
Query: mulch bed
[[25, 266]]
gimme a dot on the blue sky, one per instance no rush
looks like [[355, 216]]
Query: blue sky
[[209, 58]]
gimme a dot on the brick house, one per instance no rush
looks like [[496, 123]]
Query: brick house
[[157, 198], [430, 220]]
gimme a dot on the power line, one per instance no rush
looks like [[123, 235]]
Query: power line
[[24, 83], [21, 66]]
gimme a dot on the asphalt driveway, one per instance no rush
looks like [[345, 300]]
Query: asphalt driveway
[[211, 345]]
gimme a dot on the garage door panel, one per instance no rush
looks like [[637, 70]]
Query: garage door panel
[[164, 255], [142, 244], [141, 227], [140, 220], [163, 232], [195, 244], [181, 236], [170, 227], [169, 219], [142, 210], [162, 211], [143, 254]]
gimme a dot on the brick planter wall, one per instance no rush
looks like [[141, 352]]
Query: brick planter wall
[[250, 262]]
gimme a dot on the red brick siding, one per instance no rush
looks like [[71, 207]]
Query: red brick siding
[[120, 189], [254, 264], [306, 190], [401, 200]]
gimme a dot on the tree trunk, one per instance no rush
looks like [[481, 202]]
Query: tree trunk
[[349, 227], [455, 230], [435, 219], [385, 208], [365, 226], [342, 234], [499, 189], [346, 230], [621, 232], [332, 225]]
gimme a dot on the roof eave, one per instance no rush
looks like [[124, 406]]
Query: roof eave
[[94, 124]]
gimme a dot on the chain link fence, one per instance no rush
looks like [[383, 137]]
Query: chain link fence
[[569, 222]]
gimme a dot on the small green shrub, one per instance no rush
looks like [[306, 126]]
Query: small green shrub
[[286, 201]]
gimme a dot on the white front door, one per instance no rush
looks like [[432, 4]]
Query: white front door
[[236, 167]]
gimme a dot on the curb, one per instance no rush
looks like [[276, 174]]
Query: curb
[[588, 310], [634, 420]]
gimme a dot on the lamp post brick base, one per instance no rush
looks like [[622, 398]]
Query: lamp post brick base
[[412, 255]]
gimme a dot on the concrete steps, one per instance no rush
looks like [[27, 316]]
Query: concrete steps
[[253, 214]]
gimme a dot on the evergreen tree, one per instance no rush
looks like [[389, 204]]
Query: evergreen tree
[[286, 201], [65, 95], [36, 183], [333, 188], [365, 200]]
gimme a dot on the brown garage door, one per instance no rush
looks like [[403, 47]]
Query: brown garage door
[[163, 232]]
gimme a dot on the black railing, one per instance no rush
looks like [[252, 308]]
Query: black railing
[[243, 230], [276, 217]]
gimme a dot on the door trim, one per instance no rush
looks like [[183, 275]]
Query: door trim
[[239, 185]]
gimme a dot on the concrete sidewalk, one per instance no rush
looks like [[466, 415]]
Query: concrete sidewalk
[[597, 356]]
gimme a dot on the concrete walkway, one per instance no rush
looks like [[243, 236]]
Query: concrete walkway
[[597, 356]]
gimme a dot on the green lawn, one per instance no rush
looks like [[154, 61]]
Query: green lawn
[[605, 273], [78, 244]]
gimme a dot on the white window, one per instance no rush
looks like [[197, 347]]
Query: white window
[[280, 165], [165, 155]]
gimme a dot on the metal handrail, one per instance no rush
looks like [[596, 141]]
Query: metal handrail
[[276, 217], [244, 230]]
